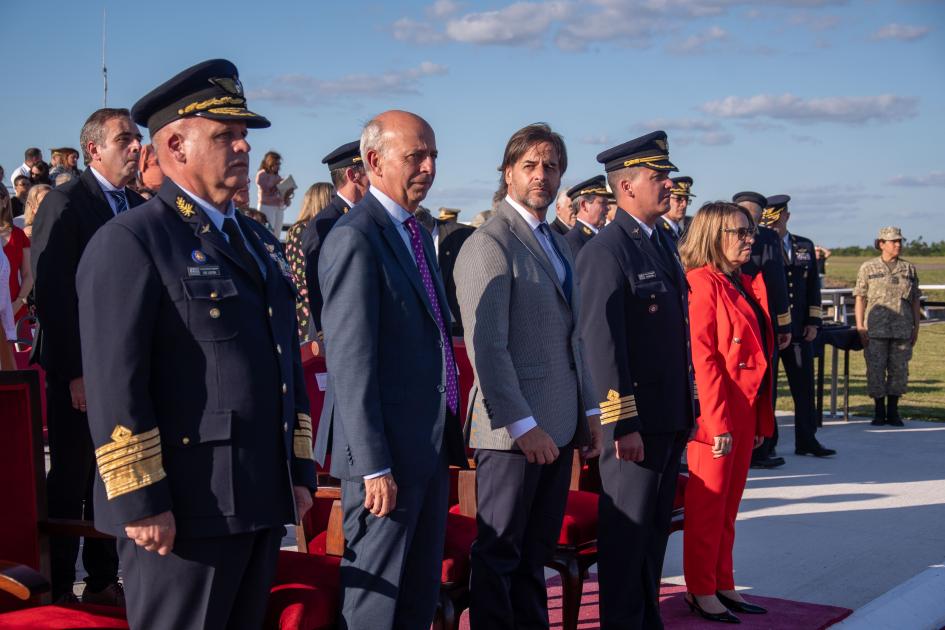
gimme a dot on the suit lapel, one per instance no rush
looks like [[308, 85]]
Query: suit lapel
[[101, 206], [396, 243], [523, 232], [741, 303]]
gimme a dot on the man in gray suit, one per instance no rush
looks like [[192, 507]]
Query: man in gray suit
[[390, 413], [531, 401]]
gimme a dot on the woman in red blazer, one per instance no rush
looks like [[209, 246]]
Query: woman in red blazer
[[731, 340]]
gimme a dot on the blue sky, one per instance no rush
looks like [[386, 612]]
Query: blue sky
[[839, 103]]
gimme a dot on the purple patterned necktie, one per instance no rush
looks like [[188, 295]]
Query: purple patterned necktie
[[452, 391]]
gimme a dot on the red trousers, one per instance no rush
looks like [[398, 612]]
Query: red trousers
[[713, 493]]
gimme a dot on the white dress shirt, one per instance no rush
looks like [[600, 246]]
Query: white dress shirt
[[788, 250], [23, 170], [6, 304], [646, 228], [107, 187], [520, 427]]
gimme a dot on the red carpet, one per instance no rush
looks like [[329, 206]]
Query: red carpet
[[782, 613]]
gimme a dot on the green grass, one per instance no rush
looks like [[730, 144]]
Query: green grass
[[926, 397], [841, 272]]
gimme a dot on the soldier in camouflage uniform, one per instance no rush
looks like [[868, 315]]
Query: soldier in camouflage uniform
[[887, 318]]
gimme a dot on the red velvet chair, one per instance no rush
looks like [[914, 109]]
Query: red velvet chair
[[304, 595]]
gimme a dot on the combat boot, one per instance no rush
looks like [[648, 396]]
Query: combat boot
[[892, 412], [879, 416]]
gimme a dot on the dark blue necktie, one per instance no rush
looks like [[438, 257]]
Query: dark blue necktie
[[121, 201], [564, 263]]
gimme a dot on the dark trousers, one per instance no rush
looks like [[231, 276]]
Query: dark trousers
[[217, 582], [390, 572], [520, 507], [798, 361], [766, 449], [69, 494], [635, 509]]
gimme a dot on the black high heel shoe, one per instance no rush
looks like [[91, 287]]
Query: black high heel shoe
[[742, 607], [724, 617]]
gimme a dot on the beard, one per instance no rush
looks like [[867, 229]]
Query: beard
[[538, 199]]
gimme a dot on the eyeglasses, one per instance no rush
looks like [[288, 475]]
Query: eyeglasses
[[743, 234]]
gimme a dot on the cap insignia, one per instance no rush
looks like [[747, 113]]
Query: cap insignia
[[210, 102], [228, 84], [662, 144]]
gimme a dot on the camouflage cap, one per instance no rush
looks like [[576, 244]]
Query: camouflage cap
[[889, 233]]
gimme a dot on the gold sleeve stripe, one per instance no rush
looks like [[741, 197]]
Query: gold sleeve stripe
[[623, 416], [130, 462], [302, 437], [784, 319], [816, 311]]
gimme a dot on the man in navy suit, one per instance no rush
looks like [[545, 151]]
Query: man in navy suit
[[390, 415]]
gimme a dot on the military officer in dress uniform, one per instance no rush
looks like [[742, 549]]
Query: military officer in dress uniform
[[351, 183], [887, 318], [635, 329], [589, 206], [803, 284], [197, 405], [676, 221], [767, 259]]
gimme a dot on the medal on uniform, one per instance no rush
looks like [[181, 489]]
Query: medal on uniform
[[198, 256]]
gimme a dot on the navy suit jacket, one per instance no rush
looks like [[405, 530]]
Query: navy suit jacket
[[385, 406], [196, 397]]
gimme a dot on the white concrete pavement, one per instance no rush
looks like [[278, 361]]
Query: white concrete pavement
[[841, 530]]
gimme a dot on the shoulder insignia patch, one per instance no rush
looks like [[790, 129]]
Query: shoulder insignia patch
[[185, 207]]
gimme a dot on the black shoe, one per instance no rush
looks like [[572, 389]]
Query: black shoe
[[892, 415], [879, 415], [724, 617], [816, 450], [742, 607], [767, 462]]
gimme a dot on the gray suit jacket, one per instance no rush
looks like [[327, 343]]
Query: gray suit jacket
[[385, 406], [521, 335]]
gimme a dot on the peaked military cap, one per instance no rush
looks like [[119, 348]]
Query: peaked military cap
[[596, 185], [773, 209], [682, 186], [348, 154], [651, 151], [448, 214], [210, 89], [753, 197]]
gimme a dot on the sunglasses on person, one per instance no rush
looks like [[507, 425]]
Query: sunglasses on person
[[742, 233]]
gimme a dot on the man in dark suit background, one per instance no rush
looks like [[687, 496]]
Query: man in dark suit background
[[65, 222], [589, 205], [768, 260], [351, 183], [448, 239], [635, 327], [390, 415], [564, 216]]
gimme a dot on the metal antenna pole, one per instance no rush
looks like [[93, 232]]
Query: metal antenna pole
[[104, 68]]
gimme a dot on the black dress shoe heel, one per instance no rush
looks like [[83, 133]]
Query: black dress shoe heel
[[742, 607], [723, 617]]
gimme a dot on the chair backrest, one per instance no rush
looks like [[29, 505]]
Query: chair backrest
[[22, 471]]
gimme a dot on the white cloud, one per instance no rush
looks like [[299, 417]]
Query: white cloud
[[698, 43], [901, 32], [305, 90], [413, 31], [516, 24], [444, 8], [934, 178], [851, 110], [679, 124]]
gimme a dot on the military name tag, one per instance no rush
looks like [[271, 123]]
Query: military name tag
[[204, 272], [648, 275], [803, 256]]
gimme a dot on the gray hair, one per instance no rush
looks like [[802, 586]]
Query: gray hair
[[373, 138], [94, 128], [62, 178]]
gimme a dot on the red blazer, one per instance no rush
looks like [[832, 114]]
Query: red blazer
[[734, 387]]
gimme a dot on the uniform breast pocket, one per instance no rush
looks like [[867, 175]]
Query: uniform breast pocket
[[212, 309], [649, 295]]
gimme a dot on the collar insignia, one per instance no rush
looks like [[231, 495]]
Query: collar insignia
[[204, 228], [185, 208]]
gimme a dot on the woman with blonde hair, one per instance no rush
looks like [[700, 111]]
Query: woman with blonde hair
[[33, 198], [732, 339], [271, 202], [316, 198]]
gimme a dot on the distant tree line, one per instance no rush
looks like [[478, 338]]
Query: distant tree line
[[913, 247]]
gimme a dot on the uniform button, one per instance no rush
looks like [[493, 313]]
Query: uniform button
[[214, 295], [284, 388], [741, 365], [270, 311], [278, 348], [440, 389], [790, 284], [737, 340], [185, 440], [790, 295], [214, 312], [634, 383], [652, 296], [285, 427]]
